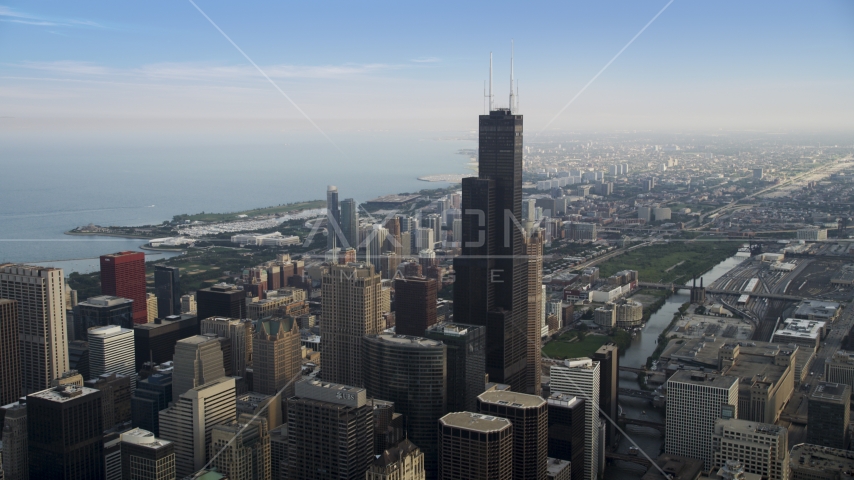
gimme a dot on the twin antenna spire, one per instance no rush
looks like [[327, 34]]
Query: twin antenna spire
[[514, 96]]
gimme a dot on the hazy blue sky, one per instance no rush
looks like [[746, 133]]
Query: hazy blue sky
[[765, 65]]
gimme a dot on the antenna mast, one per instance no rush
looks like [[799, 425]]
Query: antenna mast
[[512, 95], [491, 96]]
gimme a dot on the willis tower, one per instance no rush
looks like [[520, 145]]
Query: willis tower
[[490, 285]]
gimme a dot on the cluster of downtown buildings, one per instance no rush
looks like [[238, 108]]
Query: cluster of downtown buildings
[[153, 387]]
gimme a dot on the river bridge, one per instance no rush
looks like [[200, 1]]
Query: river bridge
[[628, 458], [639, 371], [630, 392], [674, 287], [643, 423]]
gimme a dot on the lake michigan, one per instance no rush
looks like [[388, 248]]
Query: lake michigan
[[60, 182]]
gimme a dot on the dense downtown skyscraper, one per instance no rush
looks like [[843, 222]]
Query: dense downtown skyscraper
[[534, 330], [412, 373], [609, 364], [64, 430], [529, 416], [352, 309], [333, 217], [350, 223], [167, 288], [491, 282], [330, 432], [414, 304], [123, 275], [10, 357], [276, 361], [221, 300], [42, 333]]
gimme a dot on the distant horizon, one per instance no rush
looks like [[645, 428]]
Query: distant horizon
[[660, 66]]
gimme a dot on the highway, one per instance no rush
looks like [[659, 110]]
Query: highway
[[734, 203]]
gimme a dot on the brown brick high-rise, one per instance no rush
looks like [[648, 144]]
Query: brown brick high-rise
[[123, 275], [415, 305]]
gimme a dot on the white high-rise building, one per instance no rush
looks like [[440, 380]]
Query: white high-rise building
[[424, 239], [762, 448], [43, 337], [580, 377], [694, 402], [111, 351], [188, 422]]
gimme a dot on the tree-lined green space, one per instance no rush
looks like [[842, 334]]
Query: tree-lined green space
[[670, 262]]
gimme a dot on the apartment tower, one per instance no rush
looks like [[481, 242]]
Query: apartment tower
[[42, 335]]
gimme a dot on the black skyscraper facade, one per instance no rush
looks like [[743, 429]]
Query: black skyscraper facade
[[466, 362], [64, 433], [491, 274], [167, 287], [221, 300], [333, 217], [609, 374], [350, 223]]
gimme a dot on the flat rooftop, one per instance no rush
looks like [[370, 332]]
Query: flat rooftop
[[707, 379], [475, 422], [816, 308], [831, 392], [813, 457], [64, 393], [408, 341], [799, 328], [511, 399], [747, 426], [564, 400]]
